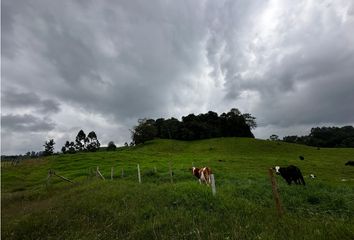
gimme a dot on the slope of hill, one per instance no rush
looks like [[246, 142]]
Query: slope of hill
[[122, 208]]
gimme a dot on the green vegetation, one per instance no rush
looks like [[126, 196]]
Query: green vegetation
[[326, 137], [243, 207], [196, 127]]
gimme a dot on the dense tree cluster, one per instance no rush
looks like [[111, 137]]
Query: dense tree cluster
[[326, 137], [193, 127], [82, 142]]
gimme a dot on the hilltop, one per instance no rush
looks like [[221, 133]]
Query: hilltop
[[158, 209]]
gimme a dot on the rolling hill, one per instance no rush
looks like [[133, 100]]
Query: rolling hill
[[243, 208]]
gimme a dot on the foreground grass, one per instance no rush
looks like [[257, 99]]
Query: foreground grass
[[157, 209]]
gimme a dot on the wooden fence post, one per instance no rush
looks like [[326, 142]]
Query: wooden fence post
[[64, 178], [275, 193], [155, 169], [122, 173], [48, 177], [139, 177], [99, 173], [112, 173], [213, 188], [171, 173]]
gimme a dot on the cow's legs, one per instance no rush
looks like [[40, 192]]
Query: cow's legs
[[288, 181]]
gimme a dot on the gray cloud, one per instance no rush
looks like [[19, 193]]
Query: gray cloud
[[14, 100], [101, 65], [298, 62], [25, 123]]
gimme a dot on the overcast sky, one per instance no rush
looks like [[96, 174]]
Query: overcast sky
[[102, 65]]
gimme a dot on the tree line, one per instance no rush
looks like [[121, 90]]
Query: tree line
[[82, 142], [326, 137], [194, 127]]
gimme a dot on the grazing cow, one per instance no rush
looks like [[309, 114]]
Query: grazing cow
[[290, 173], [203, 174], [350, 163]]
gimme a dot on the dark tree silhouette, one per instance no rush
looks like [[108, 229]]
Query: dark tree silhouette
[[63, 149], [80, 143], [192, 127], [274, 137], [144, 131], [92, 142], [48, 147], [326, 137], [111, 146]]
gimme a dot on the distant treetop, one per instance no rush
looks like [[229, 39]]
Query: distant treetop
[[192, 127]]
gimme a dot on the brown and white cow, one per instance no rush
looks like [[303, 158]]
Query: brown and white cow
[[203, 174]]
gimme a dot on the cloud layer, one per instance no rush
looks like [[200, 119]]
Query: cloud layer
[[101, 65]]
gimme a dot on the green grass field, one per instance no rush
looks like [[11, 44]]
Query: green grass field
[[243, 207]]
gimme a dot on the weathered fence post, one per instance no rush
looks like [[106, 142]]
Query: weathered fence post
[[48, 177], [171, 173], [122, 173], [99, 173], [275, 193], [112, 173], [139, 177], [213, 188], [64, 178], [155, 169], [52, 172]]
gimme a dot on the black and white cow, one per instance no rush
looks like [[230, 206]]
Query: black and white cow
[[290, 173], [349, 163]]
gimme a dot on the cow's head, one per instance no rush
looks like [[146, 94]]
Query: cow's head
[[276, 168], [195, 171]]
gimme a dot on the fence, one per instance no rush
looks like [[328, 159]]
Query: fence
[[97, 173]]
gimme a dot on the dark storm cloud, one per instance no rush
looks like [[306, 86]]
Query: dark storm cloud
[[15, 100], [25, 123], [298, 62], [113, 57], [108, 63]]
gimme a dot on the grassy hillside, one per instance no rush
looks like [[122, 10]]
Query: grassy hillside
[[243, 207]]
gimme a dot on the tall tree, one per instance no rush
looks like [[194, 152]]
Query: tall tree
[[80, 143], [92, 142], [49, 147]]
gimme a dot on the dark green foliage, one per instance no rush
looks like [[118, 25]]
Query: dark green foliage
[[111, 146], [326, 137], [49, 147], [194, 127], [145, 131], [92, 142], [80, 141]]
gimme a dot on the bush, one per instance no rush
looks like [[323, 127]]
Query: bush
[[111, 146]]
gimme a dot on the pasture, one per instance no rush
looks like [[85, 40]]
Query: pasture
[[243, 207]]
